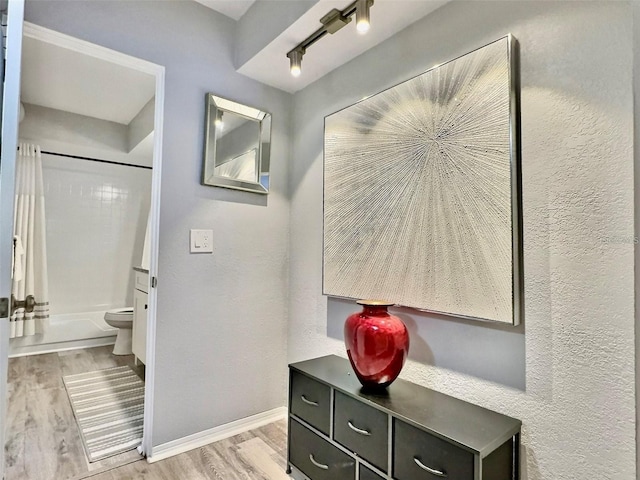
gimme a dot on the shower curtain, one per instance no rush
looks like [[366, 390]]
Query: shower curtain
[[30, 281]]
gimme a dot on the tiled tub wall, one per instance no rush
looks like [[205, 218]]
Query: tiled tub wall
[[96, 216]]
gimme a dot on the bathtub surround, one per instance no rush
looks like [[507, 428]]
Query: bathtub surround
[[96, 222], [98, 160], [30, 285]]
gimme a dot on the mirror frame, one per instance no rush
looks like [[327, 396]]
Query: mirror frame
[[213, 103]]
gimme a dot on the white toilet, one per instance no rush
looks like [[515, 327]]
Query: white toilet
[[122, 319]]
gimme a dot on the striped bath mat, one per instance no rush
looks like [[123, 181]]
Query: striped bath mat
[[108, 406]]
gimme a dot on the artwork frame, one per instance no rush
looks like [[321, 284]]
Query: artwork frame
[[350, 203]]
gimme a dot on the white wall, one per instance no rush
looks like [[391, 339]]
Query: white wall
[[142, 125], [221, 326], [568, 372], [64, 132], [57, 125]]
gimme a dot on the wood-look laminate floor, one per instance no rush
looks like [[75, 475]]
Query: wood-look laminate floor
[[259, 454], [42, 437], [43, 441]]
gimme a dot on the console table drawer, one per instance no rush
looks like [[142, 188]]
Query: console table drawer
[[311, 401], [317, 458], [362, 429], [420, 455]]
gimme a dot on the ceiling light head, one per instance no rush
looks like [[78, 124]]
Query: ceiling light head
[[295, 61], [363, 15], [363, 26]]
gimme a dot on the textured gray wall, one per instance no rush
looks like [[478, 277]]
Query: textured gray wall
[[636, 184], [568, 372], [221, 326]]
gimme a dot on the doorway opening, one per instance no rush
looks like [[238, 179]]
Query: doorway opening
[[81, 361]]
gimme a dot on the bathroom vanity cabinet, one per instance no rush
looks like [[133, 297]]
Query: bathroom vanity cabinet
[[140, 309], [338, 431]]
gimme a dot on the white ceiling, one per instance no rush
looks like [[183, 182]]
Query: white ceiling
[[63, 79], [231, 8]]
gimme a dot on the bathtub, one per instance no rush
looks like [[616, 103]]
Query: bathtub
[[66, 332]]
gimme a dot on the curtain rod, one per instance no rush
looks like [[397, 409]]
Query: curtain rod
[[94, 159]]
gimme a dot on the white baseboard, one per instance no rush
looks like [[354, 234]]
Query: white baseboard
[[215, 434]]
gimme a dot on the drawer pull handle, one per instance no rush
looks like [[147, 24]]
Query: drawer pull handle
[[358, 430], [308, 402], [432, 471], [317, 464]]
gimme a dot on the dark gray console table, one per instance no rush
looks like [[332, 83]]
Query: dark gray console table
[[337, 431]]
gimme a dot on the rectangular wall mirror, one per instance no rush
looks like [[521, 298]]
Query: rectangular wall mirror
[[237, 146]]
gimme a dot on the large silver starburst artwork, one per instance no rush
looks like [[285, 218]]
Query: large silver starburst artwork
[[421, 191]]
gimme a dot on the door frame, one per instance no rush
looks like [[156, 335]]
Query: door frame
[[65, 41], [10, 110]]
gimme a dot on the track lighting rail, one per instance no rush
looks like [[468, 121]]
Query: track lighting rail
[[331, 23]]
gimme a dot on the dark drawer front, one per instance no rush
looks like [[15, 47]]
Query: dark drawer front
[[310, 400], [362, 429], [317, 458], [367, 474], [411, 444]]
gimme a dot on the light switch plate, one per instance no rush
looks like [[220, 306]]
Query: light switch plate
[[201, 241]]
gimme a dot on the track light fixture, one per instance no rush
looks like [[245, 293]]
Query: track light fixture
[[331, 23], [362, 15], [295, 60]]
